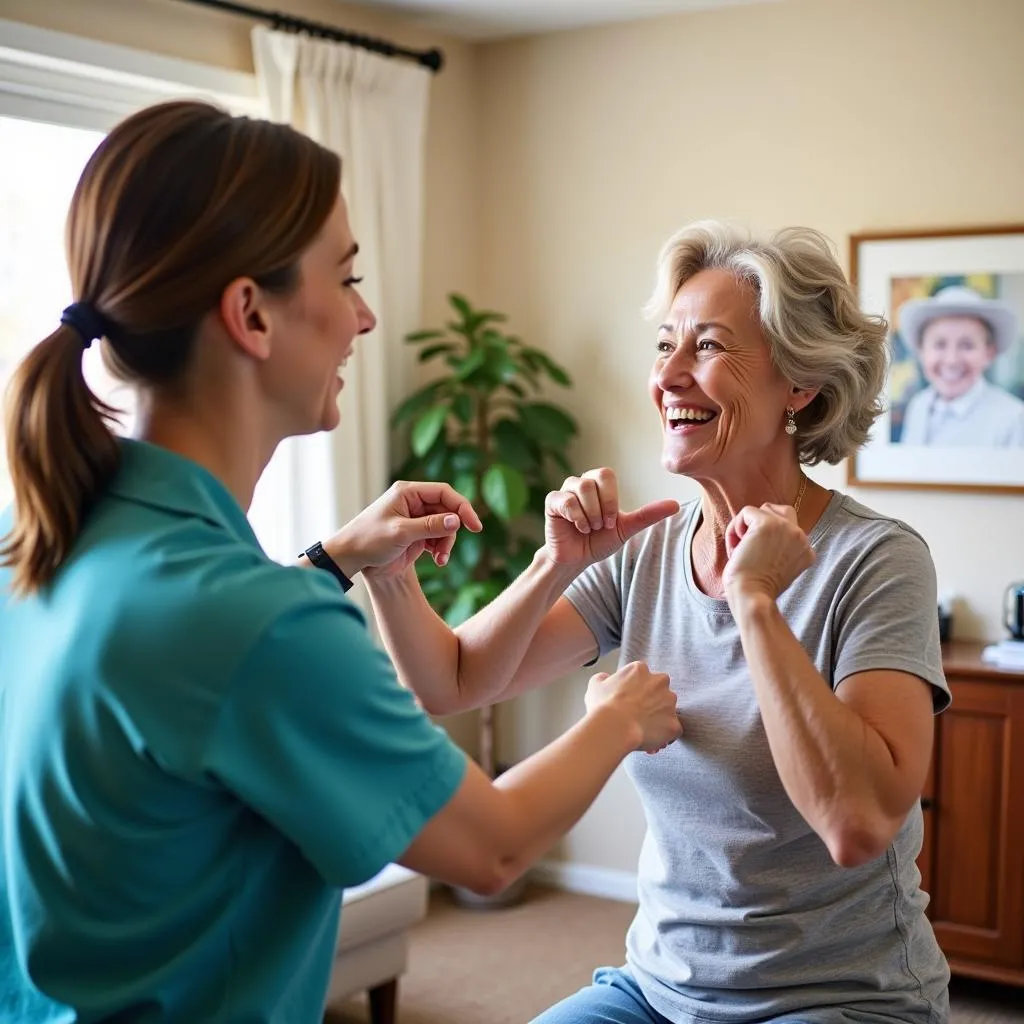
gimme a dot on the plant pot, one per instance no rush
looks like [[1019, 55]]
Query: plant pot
[[508, 897]]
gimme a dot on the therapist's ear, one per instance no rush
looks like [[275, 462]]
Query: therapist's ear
[[244, 313]]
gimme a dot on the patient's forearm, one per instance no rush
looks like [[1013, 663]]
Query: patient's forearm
[[475, 664], [423, 648]]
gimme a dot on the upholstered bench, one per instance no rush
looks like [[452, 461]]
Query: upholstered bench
[[373, 939]]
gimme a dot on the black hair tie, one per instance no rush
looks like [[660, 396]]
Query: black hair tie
[[84, 318]]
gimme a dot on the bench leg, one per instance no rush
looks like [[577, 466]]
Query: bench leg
[[384, 1003]]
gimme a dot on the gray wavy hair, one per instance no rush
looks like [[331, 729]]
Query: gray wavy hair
[[818, 337]]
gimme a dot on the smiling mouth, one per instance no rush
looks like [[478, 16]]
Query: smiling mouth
[[680, 420]]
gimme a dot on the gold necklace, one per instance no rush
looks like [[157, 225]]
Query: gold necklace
[[800, 493]]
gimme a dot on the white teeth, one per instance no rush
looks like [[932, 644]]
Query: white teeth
[[675, 415]]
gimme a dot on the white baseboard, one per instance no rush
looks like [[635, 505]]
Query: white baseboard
[[588, 880]]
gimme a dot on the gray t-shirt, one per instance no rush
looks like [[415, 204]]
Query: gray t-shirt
[[743, 914]]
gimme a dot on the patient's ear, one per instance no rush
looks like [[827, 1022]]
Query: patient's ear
[[800, 398]]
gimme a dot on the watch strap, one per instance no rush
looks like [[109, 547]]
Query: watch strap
[[319, 557]]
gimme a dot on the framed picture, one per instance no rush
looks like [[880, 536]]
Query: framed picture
[[954, 395]]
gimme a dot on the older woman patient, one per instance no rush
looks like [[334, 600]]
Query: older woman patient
[[777, 879]]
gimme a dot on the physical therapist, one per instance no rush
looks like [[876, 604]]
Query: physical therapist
[[200, 747]]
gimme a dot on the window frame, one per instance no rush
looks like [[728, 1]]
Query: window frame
[[69, 80]]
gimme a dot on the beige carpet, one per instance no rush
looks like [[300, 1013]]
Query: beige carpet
[[505, 966]]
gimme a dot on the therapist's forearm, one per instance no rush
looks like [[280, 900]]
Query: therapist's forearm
[[455, 670]]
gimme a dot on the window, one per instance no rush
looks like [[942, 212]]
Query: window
[[58, 96], [37, 178]]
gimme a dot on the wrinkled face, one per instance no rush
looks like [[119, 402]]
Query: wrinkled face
[[315, 329], [954, 352], [720, 398]]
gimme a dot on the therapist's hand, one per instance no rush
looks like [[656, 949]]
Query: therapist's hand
[[408, 519]]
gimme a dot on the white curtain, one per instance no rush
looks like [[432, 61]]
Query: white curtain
[[371, 111]]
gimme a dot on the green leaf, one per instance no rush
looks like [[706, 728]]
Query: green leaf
[[465, 459], [518, 561], [516, 390], [428, 572], [461, 306], [465, 484], [540, 361], [438, 585], [528, 375], [547, 424], [457, 575], [504, 369], [561, 461], [408, 470], [428, 428], [463, 407], [435, 465], [458, 328], [466, 366], [417, 402], [495, 534], [557, 373], [418, 336], [537, 499], [487, 316], [469, 549], [531, 358], [513, 445], [435, 350], [469, 598], [505, 491], [495, 340]]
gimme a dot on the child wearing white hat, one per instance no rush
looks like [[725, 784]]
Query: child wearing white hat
[[956, 335]]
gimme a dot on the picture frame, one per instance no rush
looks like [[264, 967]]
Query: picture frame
[[954, 391]]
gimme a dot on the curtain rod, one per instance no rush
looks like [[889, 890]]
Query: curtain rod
[[432, 59]]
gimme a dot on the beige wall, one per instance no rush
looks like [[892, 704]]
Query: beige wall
[[846, 115]]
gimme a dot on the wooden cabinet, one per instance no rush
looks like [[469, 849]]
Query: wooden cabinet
[[972, 862]]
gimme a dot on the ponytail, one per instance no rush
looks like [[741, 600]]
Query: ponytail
[[61, 455]]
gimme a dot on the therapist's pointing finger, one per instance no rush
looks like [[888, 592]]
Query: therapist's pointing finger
[[455, 502], [441, 524]]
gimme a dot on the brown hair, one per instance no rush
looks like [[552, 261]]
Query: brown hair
[[179, 200]]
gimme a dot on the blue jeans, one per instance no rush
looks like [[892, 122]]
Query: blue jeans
[[615, 998]]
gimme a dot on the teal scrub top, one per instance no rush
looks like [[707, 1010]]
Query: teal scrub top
[[199, 748]]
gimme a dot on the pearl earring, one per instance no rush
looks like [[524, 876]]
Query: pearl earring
[[790, 421]]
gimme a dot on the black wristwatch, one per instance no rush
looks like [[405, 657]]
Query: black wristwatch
[[322, 560]]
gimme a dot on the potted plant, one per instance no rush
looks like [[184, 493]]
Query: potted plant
[[484, 427]]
